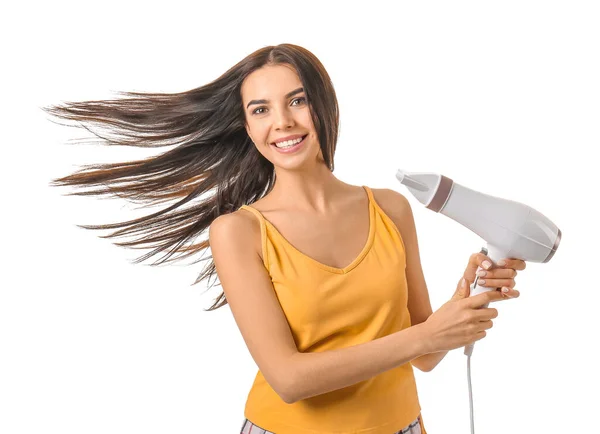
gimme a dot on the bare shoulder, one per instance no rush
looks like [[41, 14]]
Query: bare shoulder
[[239, 225], [394, 204], [251, 297]]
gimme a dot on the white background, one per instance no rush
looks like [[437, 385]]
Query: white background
[[502, 97]]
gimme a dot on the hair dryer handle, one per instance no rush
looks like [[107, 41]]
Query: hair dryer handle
[[495, 255], [475, 289]]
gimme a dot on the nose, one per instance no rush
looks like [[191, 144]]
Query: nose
[[283, 119]]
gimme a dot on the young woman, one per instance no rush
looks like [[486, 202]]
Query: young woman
[[322, 277]]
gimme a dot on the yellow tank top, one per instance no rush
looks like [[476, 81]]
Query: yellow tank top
[[328, 308]]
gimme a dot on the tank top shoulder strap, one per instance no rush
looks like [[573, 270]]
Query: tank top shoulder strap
[[369, 194], [374, 203], [388, 222], [256, 212], [263, 231]]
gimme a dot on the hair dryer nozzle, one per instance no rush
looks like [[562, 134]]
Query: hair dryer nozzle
[[405, 179], [431, 189]]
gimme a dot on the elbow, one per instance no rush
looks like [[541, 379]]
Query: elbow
[[282, 382], [422, 366], [293, 389], [287, 391], [288, 385], [288, 399]]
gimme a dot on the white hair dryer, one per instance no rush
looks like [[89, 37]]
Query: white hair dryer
[[511, 229]]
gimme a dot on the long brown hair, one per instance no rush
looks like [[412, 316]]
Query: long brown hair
[[213, 152]]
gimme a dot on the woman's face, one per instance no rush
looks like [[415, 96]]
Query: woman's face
[[275, 107]]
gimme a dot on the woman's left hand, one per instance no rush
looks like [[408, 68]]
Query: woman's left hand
[[502, 276]]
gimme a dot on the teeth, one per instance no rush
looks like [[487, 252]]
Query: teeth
[[288, 143]]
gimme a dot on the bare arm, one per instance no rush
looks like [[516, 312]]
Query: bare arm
[[398, 208], [428, 362], [317, 373], [254, 305]]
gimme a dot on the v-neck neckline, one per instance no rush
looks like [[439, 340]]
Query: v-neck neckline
[[337, 270]]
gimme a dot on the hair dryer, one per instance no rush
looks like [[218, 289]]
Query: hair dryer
[[511, 229]]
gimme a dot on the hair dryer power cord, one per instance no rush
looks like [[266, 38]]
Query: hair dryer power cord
[[470, 393], [485, 252]]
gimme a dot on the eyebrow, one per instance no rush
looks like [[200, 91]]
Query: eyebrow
[[264, 101]]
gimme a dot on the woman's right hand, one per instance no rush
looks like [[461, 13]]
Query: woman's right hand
[[464, 319], [461, 321]]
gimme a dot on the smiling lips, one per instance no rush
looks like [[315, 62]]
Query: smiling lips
[[287, 138], [290, 146]]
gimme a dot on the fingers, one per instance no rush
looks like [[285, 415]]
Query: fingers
[[511, 293], [500, 275], [486, 314], [496, 283], [497, 273], [479, 300], [515, 264], [486, 325], [497, 278], [476, 261], [480, 260]]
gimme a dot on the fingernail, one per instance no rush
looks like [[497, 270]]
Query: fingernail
[[505, 289], [486, 265], [501, 262]]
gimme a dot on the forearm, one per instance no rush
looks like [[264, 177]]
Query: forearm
[[318, 373], [427, 362]]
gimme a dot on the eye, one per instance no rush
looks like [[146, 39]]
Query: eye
[[300, 99]]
